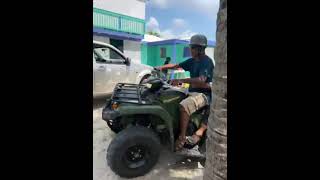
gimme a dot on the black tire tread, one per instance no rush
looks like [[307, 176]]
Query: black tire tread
[[122, 139]]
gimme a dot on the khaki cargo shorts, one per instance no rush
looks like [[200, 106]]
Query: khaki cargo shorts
[[194, 102]]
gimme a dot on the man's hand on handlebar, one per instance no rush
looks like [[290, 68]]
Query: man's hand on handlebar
[[158, 68], [175, 82]]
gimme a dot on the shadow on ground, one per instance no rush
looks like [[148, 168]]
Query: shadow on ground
[[99, 102]]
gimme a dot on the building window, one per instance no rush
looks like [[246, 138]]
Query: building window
[[163, 53], [119, 45], [186, 52]]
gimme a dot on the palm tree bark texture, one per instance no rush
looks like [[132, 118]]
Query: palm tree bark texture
[[216, 144]]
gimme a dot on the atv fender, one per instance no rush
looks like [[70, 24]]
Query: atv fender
[[152, 110]]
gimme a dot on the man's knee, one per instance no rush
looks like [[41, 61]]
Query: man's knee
[[183, 110], [185, 107], [193, 103]]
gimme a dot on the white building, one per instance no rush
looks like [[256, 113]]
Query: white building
[[120, 23]]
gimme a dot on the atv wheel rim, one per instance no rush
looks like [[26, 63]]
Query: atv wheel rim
[[136, 156]]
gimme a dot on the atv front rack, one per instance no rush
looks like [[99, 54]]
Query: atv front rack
[[129, 93]]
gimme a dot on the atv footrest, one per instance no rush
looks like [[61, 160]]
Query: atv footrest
[[194, 152]]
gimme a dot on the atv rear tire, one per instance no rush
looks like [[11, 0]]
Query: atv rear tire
[[133, 152], [202, 150], [203, 162]]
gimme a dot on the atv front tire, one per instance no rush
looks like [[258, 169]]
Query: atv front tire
[[133, 152]]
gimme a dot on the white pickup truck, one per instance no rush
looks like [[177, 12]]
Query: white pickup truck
[[111, 66]]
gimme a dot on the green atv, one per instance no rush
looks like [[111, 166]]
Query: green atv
[[146, 117]]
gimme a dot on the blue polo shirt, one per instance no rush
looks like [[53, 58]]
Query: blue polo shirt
[[203, 67]]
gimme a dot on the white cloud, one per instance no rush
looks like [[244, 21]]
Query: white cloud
[[207, 7], [179, 23], [162, 4], [180, 28], [186, 34], [153, 25], [170, 34], [167, 34], [173, 32]]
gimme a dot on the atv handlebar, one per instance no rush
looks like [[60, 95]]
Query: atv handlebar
[[157, 75]]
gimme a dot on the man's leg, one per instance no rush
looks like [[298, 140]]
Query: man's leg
[[188, 106], [196, 137], [184, 120], [199, 133]]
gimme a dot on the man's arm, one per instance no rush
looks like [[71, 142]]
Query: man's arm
[[169, 66], [185, 65], [198, 82]]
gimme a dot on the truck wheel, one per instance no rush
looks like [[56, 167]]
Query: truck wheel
[[133, 152]]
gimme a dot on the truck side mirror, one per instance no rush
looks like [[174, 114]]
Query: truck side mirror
[[100, 59], [128, 61]]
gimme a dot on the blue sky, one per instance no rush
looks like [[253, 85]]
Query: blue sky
[[182, 18]]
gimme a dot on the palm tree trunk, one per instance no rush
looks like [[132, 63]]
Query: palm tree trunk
[[216, 155]]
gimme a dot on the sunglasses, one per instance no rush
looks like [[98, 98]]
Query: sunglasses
[[194, 46]]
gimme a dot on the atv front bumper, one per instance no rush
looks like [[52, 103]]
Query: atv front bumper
[[112, 118], [108, 114]]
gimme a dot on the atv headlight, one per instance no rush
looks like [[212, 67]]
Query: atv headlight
[[148, 85], [114, 106]]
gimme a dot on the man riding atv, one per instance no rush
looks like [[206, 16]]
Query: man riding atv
[[201, 68], [154, 114]]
